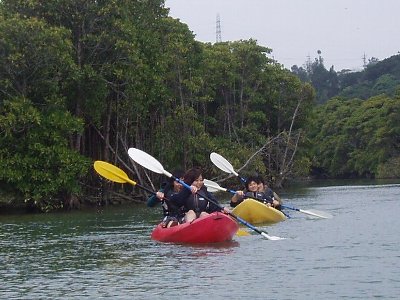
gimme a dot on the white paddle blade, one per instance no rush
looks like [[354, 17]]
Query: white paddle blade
[[146, 160], [213, 186], [317, 213], [271, 237], [224, 165], [211, 189]]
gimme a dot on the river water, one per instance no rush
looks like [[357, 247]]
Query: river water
[[109, 254]]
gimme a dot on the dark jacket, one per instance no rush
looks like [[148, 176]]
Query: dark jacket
[[200, 202], [169, 208], [259, 196]]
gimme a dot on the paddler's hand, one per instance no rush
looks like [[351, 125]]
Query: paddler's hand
[[193, 189], [275, 203], [226, 210], [240, 193], [160, 195]]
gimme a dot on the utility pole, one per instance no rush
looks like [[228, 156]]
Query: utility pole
[[218, 30]]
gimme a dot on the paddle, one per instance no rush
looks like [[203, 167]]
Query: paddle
[[212, 185], [220, 162], [115, 174], [224, 165], [211, 188], [149, 162]]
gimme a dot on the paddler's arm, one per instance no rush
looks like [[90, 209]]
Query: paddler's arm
[[155, 199], [237, 198]]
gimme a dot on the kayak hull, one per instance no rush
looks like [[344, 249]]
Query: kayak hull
[[256, 212], [213, 228]]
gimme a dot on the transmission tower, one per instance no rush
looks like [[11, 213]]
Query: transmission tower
[[364, 58], [218, 31]]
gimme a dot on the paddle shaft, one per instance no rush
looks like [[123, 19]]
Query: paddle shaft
[[290, 207], [142, 187], [311, 212], [235, 192], [145, 188]]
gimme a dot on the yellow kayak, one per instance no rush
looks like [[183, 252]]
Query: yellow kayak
[[254, 211]]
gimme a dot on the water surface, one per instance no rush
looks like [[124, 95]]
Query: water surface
[[108, 253]]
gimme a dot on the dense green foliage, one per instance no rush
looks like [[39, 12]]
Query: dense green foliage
[[357, 137], [86, 80], [379, 77], [35, 157], [356, 132]]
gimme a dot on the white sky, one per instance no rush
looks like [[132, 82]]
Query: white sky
[[344, 30]]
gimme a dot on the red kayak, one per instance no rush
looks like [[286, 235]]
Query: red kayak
[[214, 228]]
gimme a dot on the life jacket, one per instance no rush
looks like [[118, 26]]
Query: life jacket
[[170, 209], [197, 202], [259, 196], [269, 193]]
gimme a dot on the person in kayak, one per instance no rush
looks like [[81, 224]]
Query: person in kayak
[[173, 215], [196, 200], [255, 189], [251, 190], [270, 197]]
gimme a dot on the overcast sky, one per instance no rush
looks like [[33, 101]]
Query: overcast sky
[[344, 30]]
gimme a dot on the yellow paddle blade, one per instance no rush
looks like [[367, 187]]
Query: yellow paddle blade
[[242, 232], [112, 172]]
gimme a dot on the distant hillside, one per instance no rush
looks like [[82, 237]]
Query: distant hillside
[[382, 77], [378, 77], [356, 133]]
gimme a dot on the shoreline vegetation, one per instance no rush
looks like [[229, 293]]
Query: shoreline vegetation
[[80, 83], [11, 204]]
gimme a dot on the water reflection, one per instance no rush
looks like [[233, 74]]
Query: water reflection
[[109, 253], [182, 251]]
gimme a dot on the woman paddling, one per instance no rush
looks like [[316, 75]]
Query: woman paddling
[[195, 200]]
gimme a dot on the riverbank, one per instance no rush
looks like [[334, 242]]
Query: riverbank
[[14, 204]]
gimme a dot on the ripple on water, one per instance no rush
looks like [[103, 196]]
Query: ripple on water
[[110, 254]]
